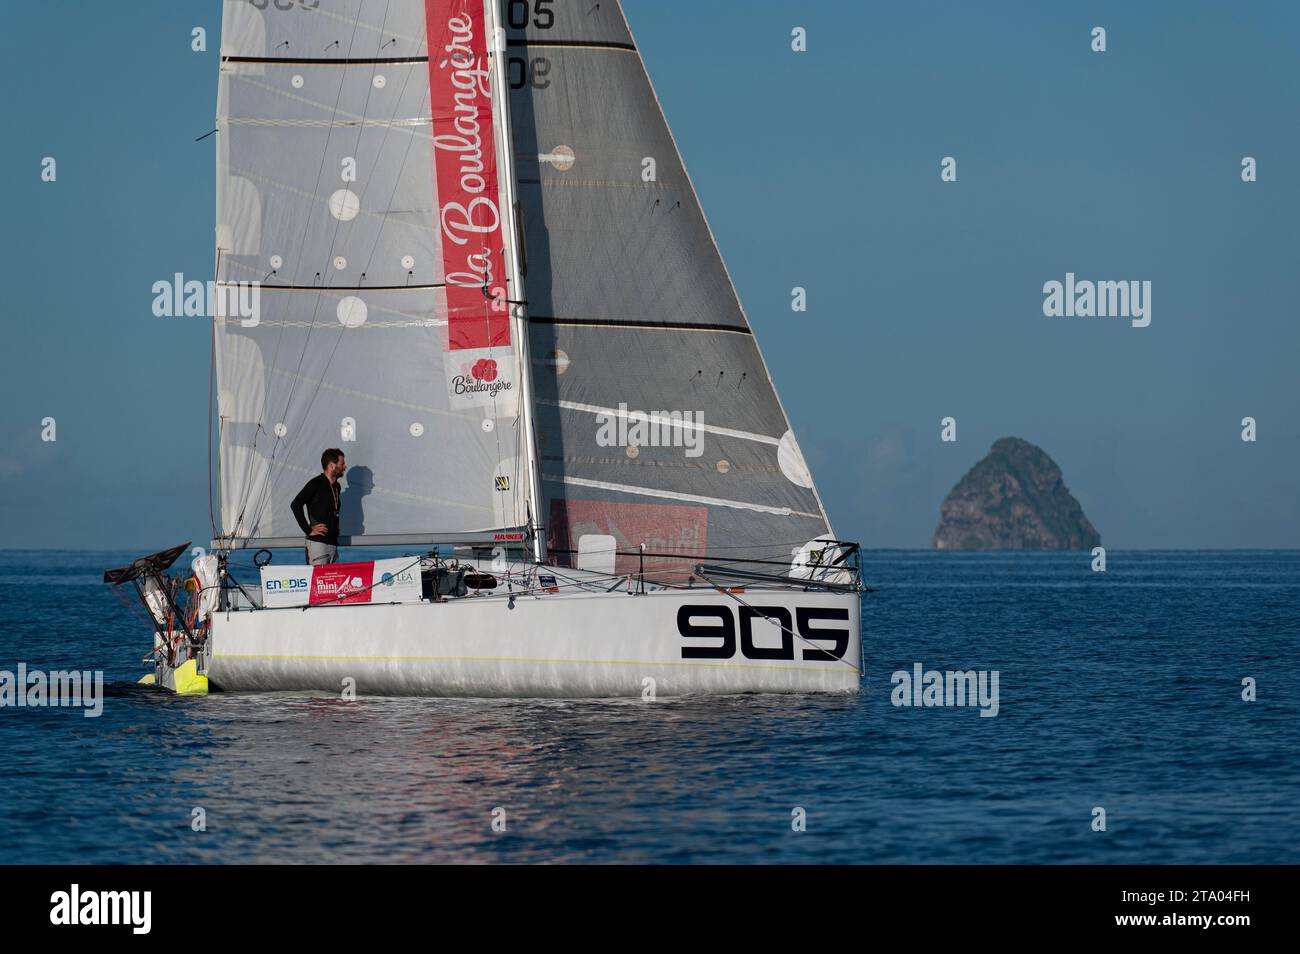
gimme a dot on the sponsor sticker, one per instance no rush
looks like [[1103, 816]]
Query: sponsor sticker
[[480, 358], [341, 584], [285, 585]]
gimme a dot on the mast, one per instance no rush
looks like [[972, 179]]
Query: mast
[[511, 236]]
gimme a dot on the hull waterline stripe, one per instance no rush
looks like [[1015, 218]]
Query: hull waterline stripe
[[524, 659], [673, 495], [658, 419]]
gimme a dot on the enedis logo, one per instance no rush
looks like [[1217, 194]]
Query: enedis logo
[[298, 583]]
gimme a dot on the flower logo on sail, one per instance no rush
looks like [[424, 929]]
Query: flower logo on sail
[[485, 369]]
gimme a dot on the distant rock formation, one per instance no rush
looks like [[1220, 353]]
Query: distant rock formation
[[1013, 499]]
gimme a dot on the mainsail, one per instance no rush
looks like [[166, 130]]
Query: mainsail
[[635, 327], [357, 182]]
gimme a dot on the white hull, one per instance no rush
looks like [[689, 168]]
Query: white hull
[[547, 644]]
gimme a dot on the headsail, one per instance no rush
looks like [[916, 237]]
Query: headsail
[[383, 325], [636, 329]]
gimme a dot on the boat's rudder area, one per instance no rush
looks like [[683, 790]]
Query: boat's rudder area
[[179, 606]]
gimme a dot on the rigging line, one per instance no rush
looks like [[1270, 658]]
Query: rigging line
[[221, 429], [248, 472], [298, 260], [783, 628], [406, 126], [212, 376]]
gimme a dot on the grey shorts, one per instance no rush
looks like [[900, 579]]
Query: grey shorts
[[318, 552]]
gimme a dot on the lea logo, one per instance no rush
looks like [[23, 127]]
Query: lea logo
[[485, 369], [717, 638]]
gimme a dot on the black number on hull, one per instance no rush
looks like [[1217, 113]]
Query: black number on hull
[[778, 613], [726, 632], [806, 615], [723, 632]]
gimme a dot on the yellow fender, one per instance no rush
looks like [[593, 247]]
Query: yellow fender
[[147, 680], [188, 681]]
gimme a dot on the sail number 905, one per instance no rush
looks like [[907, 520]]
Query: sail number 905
[[717, 637], [543, 15]]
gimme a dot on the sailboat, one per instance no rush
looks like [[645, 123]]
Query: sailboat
[[480, 269]]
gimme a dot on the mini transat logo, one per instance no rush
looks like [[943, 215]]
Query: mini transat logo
[[1105, 299]]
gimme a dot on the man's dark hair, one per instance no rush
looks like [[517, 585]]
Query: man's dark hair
[[329, 457]]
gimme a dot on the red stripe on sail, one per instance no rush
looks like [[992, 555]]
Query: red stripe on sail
[[465, 170]]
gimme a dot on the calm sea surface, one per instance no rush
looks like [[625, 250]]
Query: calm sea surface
[[1119, 689]]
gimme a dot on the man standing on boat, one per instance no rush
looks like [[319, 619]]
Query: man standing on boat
[[320, 496]]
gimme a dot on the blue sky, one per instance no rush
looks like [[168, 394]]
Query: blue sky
[[819, 170]]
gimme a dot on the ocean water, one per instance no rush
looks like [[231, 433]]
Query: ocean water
[[1120, 690]]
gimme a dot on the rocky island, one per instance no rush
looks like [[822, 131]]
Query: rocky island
[[1013, 499]]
